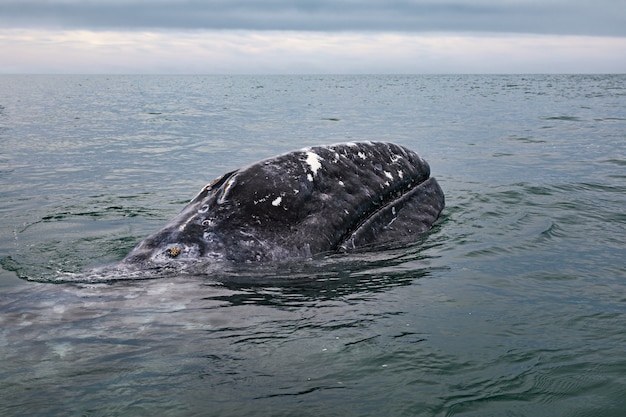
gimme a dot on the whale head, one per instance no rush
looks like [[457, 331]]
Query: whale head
[[320, 199]]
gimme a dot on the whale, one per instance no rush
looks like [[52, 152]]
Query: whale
[[321, 199]]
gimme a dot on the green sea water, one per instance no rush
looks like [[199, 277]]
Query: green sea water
[[514, 304]]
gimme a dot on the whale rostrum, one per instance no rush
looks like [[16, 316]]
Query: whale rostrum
[[320, 199]]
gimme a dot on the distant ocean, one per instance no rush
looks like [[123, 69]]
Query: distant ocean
[[515, 304]]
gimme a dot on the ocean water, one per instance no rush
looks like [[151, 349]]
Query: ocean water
[[514, 304]]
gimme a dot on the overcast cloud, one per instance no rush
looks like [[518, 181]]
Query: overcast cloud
[[321, 36], [567, 17]]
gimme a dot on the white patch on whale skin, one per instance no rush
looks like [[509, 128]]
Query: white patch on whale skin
[[400, 174], [388, 175], [183, 226], [227, 188], [313, 160], [362, 155], [276, 201], [309, 177]]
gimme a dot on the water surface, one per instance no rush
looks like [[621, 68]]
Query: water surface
[[513, 305]]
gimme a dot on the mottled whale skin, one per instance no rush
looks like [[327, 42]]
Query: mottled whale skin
[[320, 199]]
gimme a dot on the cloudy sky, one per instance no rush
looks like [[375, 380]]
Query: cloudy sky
[[322, 36]]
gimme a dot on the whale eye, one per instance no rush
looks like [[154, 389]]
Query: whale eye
[[204, 209], [174, 251]]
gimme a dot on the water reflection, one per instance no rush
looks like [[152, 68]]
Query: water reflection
[[347, 278], [335, 277], [221, 336]]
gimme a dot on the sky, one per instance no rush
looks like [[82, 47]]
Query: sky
[[312, 37]]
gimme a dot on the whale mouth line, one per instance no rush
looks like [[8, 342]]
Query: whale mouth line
[[386, 202], [424, 197]]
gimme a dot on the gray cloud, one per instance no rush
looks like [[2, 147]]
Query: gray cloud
[[567, 17]]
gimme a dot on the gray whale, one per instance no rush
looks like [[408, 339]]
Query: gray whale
[[320, 199]]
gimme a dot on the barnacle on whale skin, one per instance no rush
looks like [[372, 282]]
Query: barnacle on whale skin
[[174, 251]]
